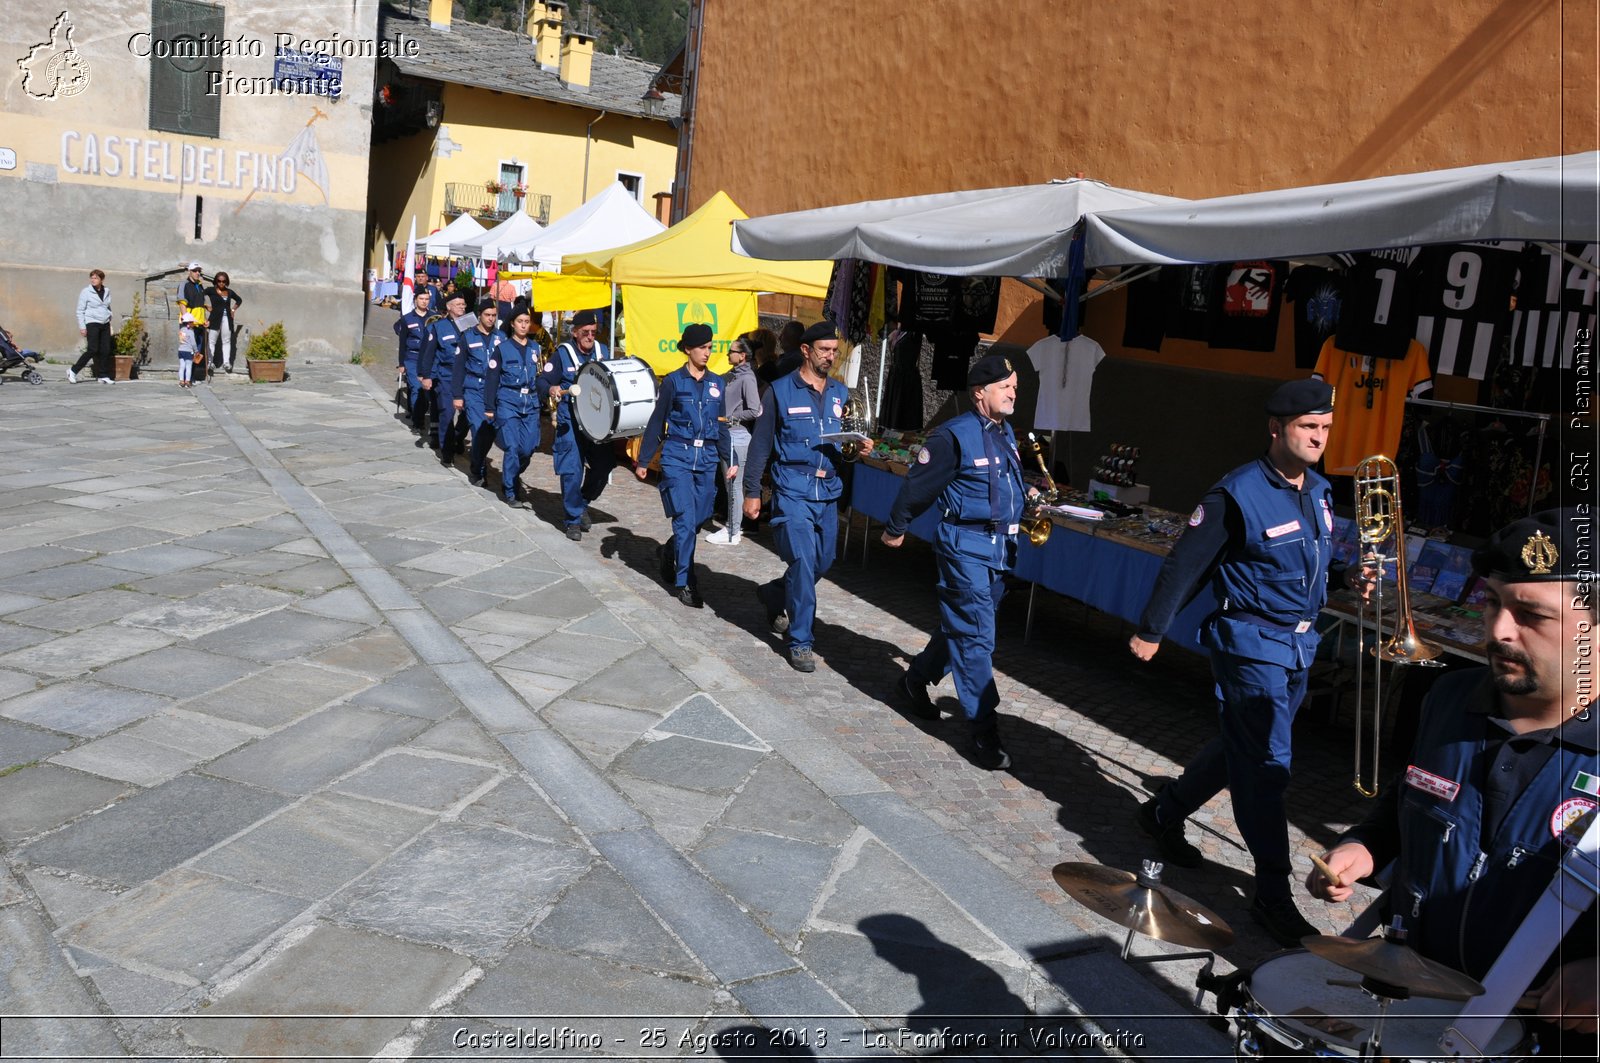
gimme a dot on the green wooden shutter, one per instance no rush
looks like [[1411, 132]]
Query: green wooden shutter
[[178, 81]]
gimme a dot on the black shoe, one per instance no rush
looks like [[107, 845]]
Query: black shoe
[[447, 461], [803, 660], [988, 753], [574, 533], [1282, 921], [777, 619], [690, 596], [519, 503], [583, 521], [916, 692], [476, 481], [421, 442], [1175, 849]]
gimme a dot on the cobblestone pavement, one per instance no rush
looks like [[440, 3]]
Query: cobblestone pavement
[[307, 748]]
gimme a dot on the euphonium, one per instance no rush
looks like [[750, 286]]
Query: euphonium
[[1378, 520]]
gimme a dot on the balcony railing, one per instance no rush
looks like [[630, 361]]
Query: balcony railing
[[464, 197]]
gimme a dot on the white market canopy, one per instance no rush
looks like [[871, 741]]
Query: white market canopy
[[518, 229], [1553, 199], [611, 219], [463, 228], [990, 232]]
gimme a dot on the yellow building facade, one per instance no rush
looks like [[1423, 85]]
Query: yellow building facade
[[476, 107]]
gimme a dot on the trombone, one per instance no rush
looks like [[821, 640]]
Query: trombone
[[1378, 521], [1037, 525]]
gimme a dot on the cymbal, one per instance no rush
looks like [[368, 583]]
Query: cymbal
[[1395, 964], [1156, 910]]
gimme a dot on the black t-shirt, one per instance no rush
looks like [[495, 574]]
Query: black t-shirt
[[1147, 313], [1190, 293], [1378, 315], [1555, 298], [1317, 294], [1463, 304], [1244, 307]]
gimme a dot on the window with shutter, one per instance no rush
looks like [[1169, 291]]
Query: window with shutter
[[185, 36]]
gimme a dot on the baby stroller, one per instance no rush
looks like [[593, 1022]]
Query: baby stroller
[[11, 358]]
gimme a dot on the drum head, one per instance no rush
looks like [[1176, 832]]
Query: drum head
[[595, 406], [1293, 990]]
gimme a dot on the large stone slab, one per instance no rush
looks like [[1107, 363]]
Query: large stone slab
[[35, 980], [517, 806], [333, 972], [151, 832], [168, 557], [689, 762], [319, 577], [67, 581], [373, 655], [14, 683], [83, 708], [565, 600], [678, 815], [33, 558], [510, 580], [433, 783], [127, 759], [599, 732], [185, 922], [779, 800], [86, 610], [461, 736], [43, 796], [24, 745], [347, 603], [316, 750], [572, 657], [602, 916], [87, 650], [177, 672], [643, 680], [280, 694], [701, 717], [467, 888], [279, 636], [314, 848], [18, 636], [207, 611], [243, 540], [416, 691], [776, 878], [192, 733], [876, 874]]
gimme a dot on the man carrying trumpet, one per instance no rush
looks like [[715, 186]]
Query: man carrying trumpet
[[1263, 536], [970, 465]]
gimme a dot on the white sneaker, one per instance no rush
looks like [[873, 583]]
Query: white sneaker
[[721, 537], [105, 380], [72, 377]]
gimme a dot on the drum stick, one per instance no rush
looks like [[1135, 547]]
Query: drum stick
[[574, 390], [1327, 872]]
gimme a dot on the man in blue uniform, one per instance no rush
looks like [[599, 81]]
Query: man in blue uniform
[[688, 427], [807, 476], [1505, 768], [582, 465], [436, 365], [511, 387], [410, 329], [1262, 535], [970, 465], [472, 365]]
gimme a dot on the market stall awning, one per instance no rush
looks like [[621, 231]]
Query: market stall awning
[[514, 231], [611, 219], [1552, 199], [987, 232], [465, 227], [695, 253]]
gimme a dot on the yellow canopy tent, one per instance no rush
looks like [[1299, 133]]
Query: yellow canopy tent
[[689, 273]]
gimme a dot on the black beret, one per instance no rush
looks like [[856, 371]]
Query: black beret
[[822, 330], [1553, 544], [583, 319], [487, 304], [1299, 397], [695, 335], [453, 294], [988, 369]]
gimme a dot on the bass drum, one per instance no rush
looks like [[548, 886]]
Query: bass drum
[[1291, 1011], [615, 398]]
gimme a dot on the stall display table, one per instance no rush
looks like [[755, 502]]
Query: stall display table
[[384, 290]]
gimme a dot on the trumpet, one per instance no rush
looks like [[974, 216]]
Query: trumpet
[[1378, 520], [1035, 524]]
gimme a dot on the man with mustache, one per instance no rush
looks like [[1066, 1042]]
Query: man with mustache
[[1503, 778]]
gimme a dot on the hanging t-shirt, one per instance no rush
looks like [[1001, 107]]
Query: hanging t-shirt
[[1463, 303], [1316, 294], [1369, 397], [1190, 294], [1066, 376], [1378, 315], [980, 302], [1244, 309], [1147, 313], [1555, 299], [929, 299], [953, 347]]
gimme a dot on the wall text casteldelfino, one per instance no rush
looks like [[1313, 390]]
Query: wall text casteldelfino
[[209, 46], [167, 162]]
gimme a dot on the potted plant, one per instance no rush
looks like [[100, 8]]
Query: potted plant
[[520, 190], [266, 354], [128, 344], [494, 187]]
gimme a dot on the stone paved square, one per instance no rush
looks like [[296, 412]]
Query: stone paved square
[[433, 783], [278, 695], [40, 797], [178, 671], [81, 708]]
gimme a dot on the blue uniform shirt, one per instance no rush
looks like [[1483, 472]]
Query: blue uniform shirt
[[794, 418], [409, 329], [472, 362], [687, 423], [439, 342], [511, 382], [560, 369]]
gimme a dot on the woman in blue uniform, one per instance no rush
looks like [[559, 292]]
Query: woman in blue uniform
[[692, 435], [510, 387]]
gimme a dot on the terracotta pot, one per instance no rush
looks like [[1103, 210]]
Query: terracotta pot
[[122, 367], [267, 371]]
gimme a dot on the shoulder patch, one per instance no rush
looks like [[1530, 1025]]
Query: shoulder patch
[[1197, 517], [922, 456], [493, 363], [549, 366], [1566, 816]]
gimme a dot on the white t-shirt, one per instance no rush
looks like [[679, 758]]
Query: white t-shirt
[[1066, 375]]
